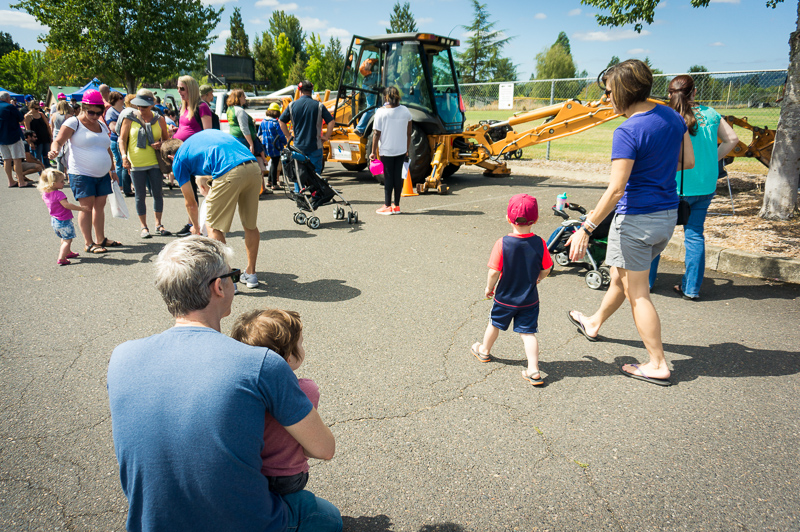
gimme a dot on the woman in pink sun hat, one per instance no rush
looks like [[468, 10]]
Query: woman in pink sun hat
[[91, 168]]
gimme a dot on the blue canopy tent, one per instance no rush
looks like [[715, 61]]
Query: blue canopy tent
[[92, 85], [18, 97]]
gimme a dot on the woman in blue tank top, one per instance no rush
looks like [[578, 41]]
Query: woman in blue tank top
[[644, 157]]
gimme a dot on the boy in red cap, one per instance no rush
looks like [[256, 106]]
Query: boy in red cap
[[519, 262]]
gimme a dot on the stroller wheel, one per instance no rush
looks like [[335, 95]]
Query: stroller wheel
[[339, 213], [313, 222], [605, 271], [594, 279], [299, 218], [355, 217], [562, 259]]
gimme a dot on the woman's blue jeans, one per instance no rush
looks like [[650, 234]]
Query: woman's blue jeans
[[122, 172], [695, 244]]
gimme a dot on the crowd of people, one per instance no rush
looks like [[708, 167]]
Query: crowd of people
[[191, 395]]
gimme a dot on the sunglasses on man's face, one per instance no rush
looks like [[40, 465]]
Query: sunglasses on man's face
[[234, 274], [94, 113]]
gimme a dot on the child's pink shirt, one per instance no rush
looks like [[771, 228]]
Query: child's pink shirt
[[53, 201], [282, 456]]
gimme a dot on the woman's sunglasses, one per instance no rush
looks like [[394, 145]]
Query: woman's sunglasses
[[94, 113], [181, 89]]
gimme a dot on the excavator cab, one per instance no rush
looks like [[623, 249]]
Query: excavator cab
[[421, 66]]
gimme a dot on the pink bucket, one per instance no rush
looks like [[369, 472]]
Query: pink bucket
[[376, 167]]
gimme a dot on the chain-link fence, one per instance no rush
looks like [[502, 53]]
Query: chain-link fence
[[746, 93]]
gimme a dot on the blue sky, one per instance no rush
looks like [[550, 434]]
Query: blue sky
[[728, 35]]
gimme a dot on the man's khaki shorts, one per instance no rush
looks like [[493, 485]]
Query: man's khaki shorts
[[241, 186]]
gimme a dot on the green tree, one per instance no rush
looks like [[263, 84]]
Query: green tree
[[237, 44], [285, 54], [127, 41], [332, 65], [402, 19], [563, 40], [297, 72], [780, 189], [505, 70], [614, 61], [289, 25], [314, 68], [555, 63], [697, 68], [266, 61], [24, 72], [7, 44], [484, 44]]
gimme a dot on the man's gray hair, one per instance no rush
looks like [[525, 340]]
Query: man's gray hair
[[185, 269], [5, 96]]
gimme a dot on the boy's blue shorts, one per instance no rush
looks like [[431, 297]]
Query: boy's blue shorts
[[526, 319]]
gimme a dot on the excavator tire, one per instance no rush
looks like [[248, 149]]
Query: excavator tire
[[354, 167], [420, 155], [449, 170]]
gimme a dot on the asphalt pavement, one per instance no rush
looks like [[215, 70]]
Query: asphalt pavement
[[428, 438]]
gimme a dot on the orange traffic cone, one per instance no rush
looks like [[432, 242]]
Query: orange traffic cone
[[408, 187]]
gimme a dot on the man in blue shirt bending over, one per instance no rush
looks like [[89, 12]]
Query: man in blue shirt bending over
[[188, 408], [227, 174]]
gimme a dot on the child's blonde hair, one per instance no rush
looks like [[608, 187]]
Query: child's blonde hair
[[276, 329], [48, 178]]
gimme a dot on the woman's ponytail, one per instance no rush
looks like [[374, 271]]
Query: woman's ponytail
[[681, 98]]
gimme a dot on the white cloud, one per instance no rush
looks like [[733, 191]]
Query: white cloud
[[608, 36], [277, 6], [574, 12], [18, 19], [424, 20], [717, 44], [384, 23], [323, 28], [638, 51], [219, 45], [540, 16]]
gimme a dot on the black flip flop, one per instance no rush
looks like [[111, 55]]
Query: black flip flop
[[645, 378], [677, 290], [581, 328]]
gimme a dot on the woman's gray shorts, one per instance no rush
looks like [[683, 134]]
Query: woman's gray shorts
[[636, 239]]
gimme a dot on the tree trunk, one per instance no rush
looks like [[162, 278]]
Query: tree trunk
[[780, 189]]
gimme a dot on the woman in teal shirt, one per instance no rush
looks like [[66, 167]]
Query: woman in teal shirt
[[705, 126]]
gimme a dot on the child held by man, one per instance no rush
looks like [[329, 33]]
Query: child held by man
[[283, 461], [50, 184], [519, 261]]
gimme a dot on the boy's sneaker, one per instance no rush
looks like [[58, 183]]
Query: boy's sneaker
[[250, 279], [236, 289], [186, 231], [396, 209], [385, 210]]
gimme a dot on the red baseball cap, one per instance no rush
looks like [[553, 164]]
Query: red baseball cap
[[523, 209]]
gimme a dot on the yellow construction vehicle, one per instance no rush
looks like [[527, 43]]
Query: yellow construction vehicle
[[421, 66]]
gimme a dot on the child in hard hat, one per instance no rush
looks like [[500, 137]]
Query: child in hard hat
[[274, 140], [519, 261]]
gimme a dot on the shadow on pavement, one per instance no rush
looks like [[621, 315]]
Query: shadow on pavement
[[283, 285], [730, 360], [379, 523]]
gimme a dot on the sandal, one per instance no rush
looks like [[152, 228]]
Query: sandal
[[145, 232], [161, 231], [95, 249], [106, 243], [476, 351], [535, 381]]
